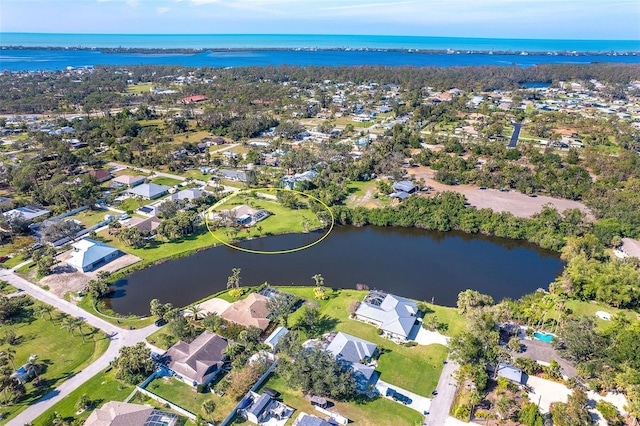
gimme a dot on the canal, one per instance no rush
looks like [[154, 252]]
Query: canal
[[411, 262]]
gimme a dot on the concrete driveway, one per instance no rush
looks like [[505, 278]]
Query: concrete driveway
[[419, 403]]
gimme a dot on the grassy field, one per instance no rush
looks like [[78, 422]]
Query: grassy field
[[132, 204], [150, 123], [140, 88], [133, 322], [416, 369], [6, 288], [366, 412], [166, 181], [44, 338], [589, 309], [101, 388]]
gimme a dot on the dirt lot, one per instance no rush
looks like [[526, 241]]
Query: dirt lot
[[514, 202], [65, 278]]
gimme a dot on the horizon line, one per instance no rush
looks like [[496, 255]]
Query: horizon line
[[316, 35]]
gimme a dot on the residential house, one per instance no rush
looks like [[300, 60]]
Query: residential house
[[241, 215], [290, 181], [274, 338], [394, 315], [188, 194], [405, 186], [235, 175], [358, 354], [200, 361], [127, 181], [251, 311], [115, 413], [28, 213], [89, 254], [149, 210], [146, 226], [100, 175], [509, 372], [263, 408], [193, 99], [149, 191], [305, 419]]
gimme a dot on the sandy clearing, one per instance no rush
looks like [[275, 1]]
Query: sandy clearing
[[518, 204], [65, 278], [631, 247]]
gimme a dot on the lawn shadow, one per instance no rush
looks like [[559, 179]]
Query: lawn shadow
[[327, 324]]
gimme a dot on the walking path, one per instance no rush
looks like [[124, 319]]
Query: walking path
[[118, 339]]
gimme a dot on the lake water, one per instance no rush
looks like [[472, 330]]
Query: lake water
[[406, 261], [33, 60]]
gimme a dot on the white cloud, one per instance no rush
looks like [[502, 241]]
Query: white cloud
[[162, 10]]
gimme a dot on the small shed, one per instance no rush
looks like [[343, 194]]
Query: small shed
[[274, 338], [318, 401], [603, 315]]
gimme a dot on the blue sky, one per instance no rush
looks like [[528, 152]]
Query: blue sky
[[565, 19]]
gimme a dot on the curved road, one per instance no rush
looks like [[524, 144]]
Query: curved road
[[118, 336]]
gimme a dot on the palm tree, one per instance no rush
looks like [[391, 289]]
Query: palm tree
[[306, 224], [32, 367], [45, 310], [194, 312], [78, 323], [234, 279], [9, 354], [208, 407], [318, 279], [69, 324]]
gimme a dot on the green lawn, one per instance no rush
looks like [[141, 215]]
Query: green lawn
[[166, 181], [589, 309], [366, 412], [281, 219], [455, 322], [140, 88], [186, 397], [416, 369], [90, 217], [132, 204], [51, 344], [101, 388], [197, 175], [14, 261], [360, 188], [151, 123], [6, 288]]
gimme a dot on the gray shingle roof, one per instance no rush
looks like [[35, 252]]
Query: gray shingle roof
[[350, 348]]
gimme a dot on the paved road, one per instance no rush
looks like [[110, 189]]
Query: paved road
[[515, 135], [172, 176], [118, 337], [441, 404]]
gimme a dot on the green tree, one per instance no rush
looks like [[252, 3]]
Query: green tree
[[530, 415], [133, 364], [572, 413], [234, 278]]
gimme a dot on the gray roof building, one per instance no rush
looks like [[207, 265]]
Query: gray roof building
[[349, 348], [187, 194], [393, 314], [27, 212], [115, 413], [275, 337], [305, 419], [149, 191], [510, 372], [405, 186]]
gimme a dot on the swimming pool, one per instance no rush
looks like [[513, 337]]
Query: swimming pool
[[545, 337]]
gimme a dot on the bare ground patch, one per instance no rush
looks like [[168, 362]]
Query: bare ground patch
[[516, 203], [66, 279]]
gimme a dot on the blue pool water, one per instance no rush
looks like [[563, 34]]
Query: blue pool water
[[545, 337]]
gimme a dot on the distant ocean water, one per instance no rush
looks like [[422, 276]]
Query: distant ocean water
[[36, 59], [239, 41]]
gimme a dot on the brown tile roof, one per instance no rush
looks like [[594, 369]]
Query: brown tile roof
[[199, 360], [147, 225], [100, 175], [115, 413], [249, 312]]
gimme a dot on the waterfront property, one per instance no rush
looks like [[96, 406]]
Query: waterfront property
[[89, 254], [122, 413], [394, 315], [198, 362], [251, 311], [242, 215]]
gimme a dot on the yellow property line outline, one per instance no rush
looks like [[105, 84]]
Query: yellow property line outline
[[229, 197]]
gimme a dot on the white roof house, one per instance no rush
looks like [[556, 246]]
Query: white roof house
[[27, 213], [149, 191], [187, 194], [89, 254], [394, 315]]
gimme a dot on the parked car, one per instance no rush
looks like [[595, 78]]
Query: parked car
[[160, 322], [3, 258]]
